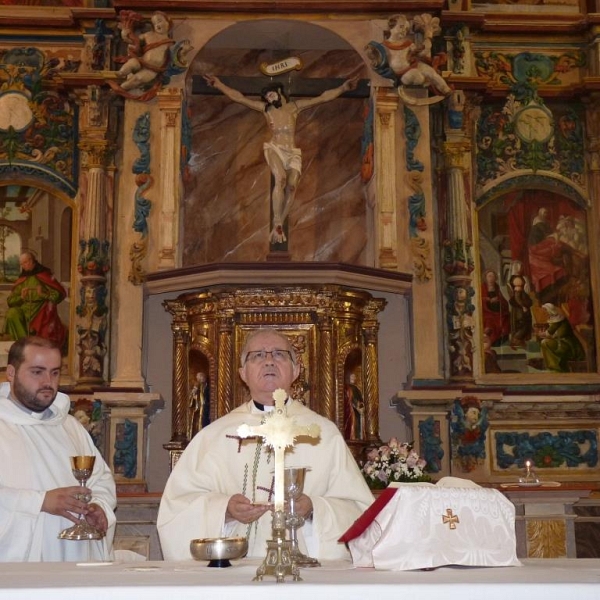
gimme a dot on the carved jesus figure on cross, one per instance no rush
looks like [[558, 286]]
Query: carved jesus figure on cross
[[282, 156], [279, 432]]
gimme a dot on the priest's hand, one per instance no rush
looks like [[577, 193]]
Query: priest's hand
[[303, 506], [239, 508], [66, 502], [96, 517]]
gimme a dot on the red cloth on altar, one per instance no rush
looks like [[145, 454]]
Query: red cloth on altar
[[369, 515]]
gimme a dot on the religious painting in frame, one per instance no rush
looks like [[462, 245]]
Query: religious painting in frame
[[35, 267], [535, 289]]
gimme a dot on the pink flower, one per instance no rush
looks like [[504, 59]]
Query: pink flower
[[412, 459], [403, 450], [373, 454], [385, 453]]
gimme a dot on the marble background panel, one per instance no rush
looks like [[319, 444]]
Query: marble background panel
[[226, 204]]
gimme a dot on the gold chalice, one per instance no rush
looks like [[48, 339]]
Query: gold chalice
[[293, 486], [82, 467]]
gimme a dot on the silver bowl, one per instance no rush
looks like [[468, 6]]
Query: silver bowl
[[219, 551]]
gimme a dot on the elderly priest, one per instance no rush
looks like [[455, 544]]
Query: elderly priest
[[222, 484]]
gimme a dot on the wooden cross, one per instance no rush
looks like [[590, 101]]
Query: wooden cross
[[297, 88], [279, 432], [449, 518]]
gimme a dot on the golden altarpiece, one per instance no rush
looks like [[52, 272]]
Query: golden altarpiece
[[456, 186], [332, 328]]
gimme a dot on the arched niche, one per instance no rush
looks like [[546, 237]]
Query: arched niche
[[40, 221], [227, 181]]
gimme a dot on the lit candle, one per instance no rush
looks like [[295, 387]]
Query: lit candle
[[280, 396]]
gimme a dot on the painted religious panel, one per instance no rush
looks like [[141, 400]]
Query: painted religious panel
[[35, 266], [535, 290]]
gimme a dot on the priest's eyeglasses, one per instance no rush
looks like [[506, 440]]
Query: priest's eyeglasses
[[258, 356]]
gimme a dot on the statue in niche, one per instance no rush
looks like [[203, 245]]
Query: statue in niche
[[282, 157], [354, 410], [33, 302], [151, 55], [199, 405], [405, 56]]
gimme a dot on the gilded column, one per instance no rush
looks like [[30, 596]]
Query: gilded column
[[370, 328], [93, 262], [169, 103], [457, 243], [592, 114], [180, 387], [385, 161], [227, 366], [326, 387]]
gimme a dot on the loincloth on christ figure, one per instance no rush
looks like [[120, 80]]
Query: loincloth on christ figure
[[291, 158]]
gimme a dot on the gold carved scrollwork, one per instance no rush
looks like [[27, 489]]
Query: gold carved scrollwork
[[455, 154], [420, 251], [320, 320], [95, 153], [172, 119], [137, 253]]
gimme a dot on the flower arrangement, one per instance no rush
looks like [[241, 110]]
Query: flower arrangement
[[394, 461]]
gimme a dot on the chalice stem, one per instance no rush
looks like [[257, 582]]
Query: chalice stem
[[82, 496]]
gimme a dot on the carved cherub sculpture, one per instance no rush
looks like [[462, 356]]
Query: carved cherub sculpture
[[150, 54], [405, 55]]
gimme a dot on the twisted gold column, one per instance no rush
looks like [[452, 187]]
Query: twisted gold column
[[371, 384], [226, 367], [326, 378]]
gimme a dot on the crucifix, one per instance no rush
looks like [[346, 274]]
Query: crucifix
[[279, 432], [282, 156]]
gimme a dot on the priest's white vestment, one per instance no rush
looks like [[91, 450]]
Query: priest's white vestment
[[218, 464], [36, 458]]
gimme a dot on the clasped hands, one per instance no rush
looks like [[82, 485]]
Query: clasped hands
[[69, 502], [241, 509]]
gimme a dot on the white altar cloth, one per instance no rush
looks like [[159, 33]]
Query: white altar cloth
[[423, 526], [537, 579]]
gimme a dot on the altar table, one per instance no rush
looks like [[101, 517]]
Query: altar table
[[537, 579]]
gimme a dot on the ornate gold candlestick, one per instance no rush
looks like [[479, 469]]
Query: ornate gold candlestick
[[278, 561]]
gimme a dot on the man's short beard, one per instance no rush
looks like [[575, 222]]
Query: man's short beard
[[29, 400]]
